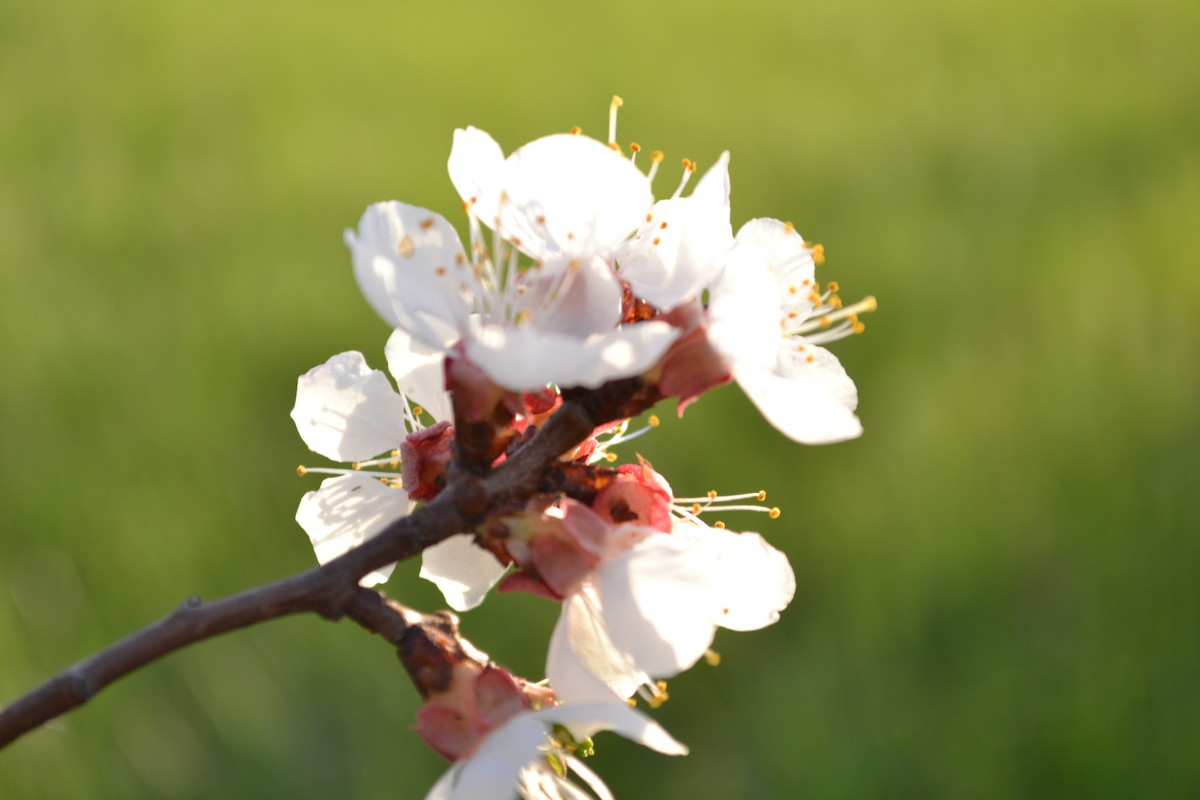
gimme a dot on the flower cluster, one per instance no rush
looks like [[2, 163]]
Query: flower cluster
[[573, 280]]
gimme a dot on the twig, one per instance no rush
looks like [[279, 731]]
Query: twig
[[331, 590]]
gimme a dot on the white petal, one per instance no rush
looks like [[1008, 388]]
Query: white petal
[[589, 719], [444, 789], [345, 512], [528, 358], [491, 772], [575, 298], [570, 195], [809, 402], [462, 570], [756, 581], [409, 264], [787, 257], [743, 309], [659, 604], [347, 411], [476, 167], [419, 372], [583, 771], [682, 246], [582, 664]]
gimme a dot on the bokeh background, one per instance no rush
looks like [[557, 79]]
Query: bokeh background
[[998, 590]]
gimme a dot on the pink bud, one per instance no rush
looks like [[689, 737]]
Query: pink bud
[[637, 494], [424, 457]]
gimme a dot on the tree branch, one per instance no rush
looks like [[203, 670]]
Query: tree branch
[[330, 590]]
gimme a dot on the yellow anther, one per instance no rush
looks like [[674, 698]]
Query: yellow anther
[[857, 326], [774, 513], [657, 156], [810, 358], [301, 470], [634, 147], [616, 148], [712, 658], [653, 421], [610, 457], [575, 131], [818, 254], [696, 508], [712, 494], [789, 227], [834, 301], [356, 465], [833, 286], [825, 321], [657, 241], [762, 495], [440, 272], [428, 223], [719, 525], [660, 696]]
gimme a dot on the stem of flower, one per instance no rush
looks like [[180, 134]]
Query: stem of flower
[[330, 591]]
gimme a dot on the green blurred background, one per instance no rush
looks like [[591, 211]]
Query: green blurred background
[[998, 592]]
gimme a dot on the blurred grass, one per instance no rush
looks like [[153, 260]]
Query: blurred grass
[[997, 583]]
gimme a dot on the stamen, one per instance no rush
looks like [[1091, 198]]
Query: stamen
[[690, 508], [825, 321], [689, 167], [620, 437], [617, 102], [712, 496], [654, 695], [393, 461], [383, 476], [634, 149], [712, 657], [656, 158]]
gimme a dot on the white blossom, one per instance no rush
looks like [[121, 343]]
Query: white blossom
[[681, 244], [348, 412], [651, 608], [513, 759], [768, 318], [565, 202]]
